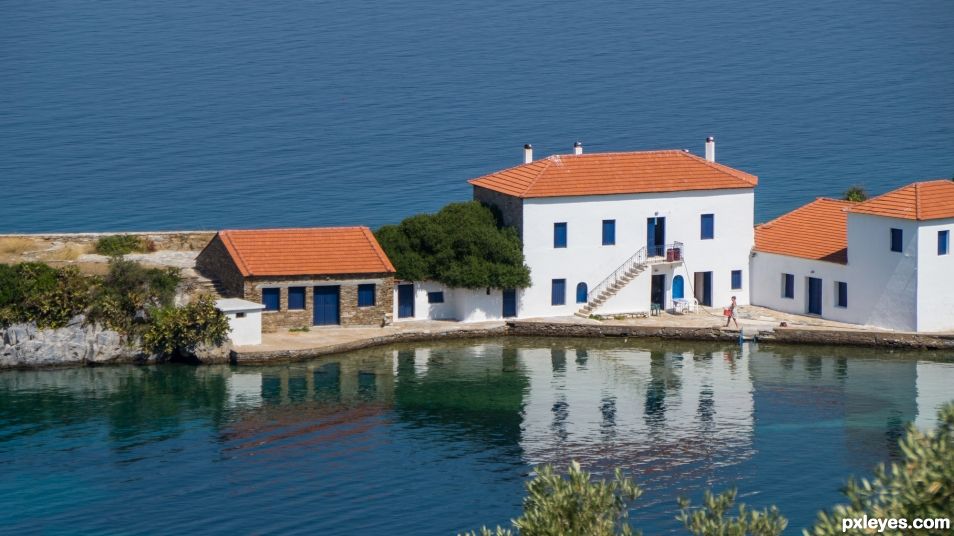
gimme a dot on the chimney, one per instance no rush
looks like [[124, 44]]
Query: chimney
[[527, 153], [577, 148], [710, 149]]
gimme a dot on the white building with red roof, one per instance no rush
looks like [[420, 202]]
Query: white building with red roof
[[885, 262], [624, 232]]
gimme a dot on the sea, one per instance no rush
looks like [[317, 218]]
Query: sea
[[122, 115]]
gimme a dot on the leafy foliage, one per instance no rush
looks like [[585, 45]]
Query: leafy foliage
[[856, 194], [178, 331], [573, 506], [119, 245], [463, 245], [35, 292], [712, 518], [921, 485], [129, 291]]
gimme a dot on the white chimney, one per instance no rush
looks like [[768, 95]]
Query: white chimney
[[710, 149], [577, 148], [527, 153]]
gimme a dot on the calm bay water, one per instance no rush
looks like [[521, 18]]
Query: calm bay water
[[436, 439], [180, 114]]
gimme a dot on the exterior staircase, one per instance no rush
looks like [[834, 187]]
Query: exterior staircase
[[629, 270], [204, 285]]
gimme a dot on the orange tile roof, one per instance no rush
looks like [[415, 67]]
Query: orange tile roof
[[796, 233], [614, 173], [927, 200], [313, 251]]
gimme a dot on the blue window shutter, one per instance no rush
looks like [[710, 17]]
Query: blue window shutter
[[943, 242], [559, 235], [271, 298], [609, 232], [736, 279], [558, 292], [842, 294], [896, 240], [296, 298], [788, 286], [707, 223], [366, 295], [435, 297]]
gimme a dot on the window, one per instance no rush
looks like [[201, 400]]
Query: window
[[736, 279], [296, 298], [271, 297], [239, 315], [435, 297], [609, 232], [558, 292], [366, 295], [559, 235], [707, 227], [841, 294], [943, 242], [896, 236], [788, 286], [581, 293]]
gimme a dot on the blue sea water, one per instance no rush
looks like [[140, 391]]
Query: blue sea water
[[122, 115]]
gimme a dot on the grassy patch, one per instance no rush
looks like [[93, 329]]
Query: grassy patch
[[16, 245], [302, 329], [118, 245]]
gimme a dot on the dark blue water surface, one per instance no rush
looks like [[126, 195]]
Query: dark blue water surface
[[118, 114], [434, 439]]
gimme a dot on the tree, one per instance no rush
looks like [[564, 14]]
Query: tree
[[178, 331], [462, 245], [711, 519], [855, 194]]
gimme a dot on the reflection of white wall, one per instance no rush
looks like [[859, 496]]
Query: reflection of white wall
[[245, 389], [935, 387]]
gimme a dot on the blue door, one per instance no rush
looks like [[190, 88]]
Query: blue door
[[656, 237], [509, 303], [677, 287], [326, 305], [406, 301], [814, 296]]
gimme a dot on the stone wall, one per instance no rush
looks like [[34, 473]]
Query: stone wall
[[511, 208], [561, 329], [164, 240], [215, 263], [350, 313]]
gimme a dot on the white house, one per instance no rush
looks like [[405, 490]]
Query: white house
[[885, 262], [245, 320], [612, 233]]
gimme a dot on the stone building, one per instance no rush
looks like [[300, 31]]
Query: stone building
[[304, 277]]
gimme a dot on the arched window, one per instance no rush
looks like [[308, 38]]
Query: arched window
[[677, 287], [581, 293]]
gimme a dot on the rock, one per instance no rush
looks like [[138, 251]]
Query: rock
[[208, 354], [77, 320], [23, 345]]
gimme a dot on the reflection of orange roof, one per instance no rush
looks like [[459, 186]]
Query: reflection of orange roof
[[818, 230], [314, 251], [615, 173], [927, 200]]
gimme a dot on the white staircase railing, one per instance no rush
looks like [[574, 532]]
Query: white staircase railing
[[672, 252]]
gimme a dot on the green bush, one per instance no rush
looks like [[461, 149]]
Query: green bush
[[463, 245], [856, 194], [36, 292], [119, 245], [179, 331], [714, 518], [129, 291]]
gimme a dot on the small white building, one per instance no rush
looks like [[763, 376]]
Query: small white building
[[245, 320], [884, 262], [610, 233]]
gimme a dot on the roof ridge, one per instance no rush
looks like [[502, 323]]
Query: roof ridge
[[236, 255], [530, 186], [373, 242], [723, 168], [267, 229]]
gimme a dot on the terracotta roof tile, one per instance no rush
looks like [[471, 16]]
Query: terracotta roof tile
[[927, 200], [313, 251], [796, 233], [614, 173]]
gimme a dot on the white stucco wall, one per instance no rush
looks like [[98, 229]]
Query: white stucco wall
[[424, 310], [586, 259], [935, 289], [462, 304], [767, 270], [888, 279]]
